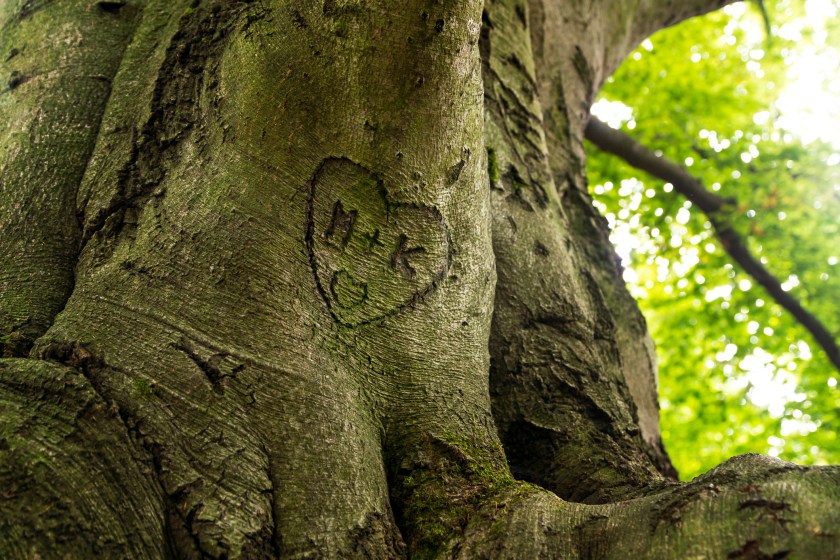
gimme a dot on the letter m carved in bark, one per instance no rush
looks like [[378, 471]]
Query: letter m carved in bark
[[341, 226]]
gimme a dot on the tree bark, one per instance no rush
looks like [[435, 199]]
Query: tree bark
[[322, 280]]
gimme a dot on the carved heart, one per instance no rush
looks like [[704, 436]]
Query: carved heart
[[371, 256]]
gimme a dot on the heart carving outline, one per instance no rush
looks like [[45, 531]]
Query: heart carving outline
[[371, 256]]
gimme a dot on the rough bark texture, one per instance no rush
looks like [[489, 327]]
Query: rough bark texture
[[58, 63], [322, 280], [568, 342]]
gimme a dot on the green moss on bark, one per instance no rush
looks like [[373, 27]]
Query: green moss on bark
[[447, 485], [493, 167], [57, 60]]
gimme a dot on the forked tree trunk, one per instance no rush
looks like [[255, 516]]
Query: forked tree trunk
[[322, 279]]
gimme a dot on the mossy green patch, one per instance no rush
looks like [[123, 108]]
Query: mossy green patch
[[141, 389], [15, 344], [493, 167], [348, 292], [340, 27], [518, 186], [445, 490]]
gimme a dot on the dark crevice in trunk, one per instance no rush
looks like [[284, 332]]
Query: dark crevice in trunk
[[112, 7], [17, 342], [212, 367], [189, 70]]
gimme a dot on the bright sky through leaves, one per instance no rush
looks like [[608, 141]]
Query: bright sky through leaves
[[759, 121]]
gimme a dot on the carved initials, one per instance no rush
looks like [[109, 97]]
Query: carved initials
[[372, 257], [399, 259], [340, 225]]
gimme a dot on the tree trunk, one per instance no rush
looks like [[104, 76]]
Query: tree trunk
[[324, 281]]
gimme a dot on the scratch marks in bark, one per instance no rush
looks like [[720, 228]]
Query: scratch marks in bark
[[341, 223], [216, 367], [768, 509], [402, 257], [372, 256], [670, 509]]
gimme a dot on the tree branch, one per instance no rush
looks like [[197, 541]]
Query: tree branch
[[654, 15], [640, 157]]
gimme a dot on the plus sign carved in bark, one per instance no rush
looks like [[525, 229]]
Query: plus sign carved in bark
[[371, 255]]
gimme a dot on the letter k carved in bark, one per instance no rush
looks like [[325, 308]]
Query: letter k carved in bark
[[400, 259]]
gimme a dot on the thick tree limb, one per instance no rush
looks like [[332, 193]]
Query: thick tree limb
[[61, 105], [593, 447], [640, 157], [654, 15]]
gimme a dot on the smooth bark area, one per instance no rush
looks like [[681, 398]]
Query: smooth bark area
[[323, 280]]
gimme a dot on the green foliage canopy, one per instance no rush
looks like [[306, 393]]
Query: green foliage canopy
[[737, 373]]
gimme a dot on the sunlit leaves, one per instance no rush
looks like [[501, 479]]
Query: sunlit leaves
[[737, 373]]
